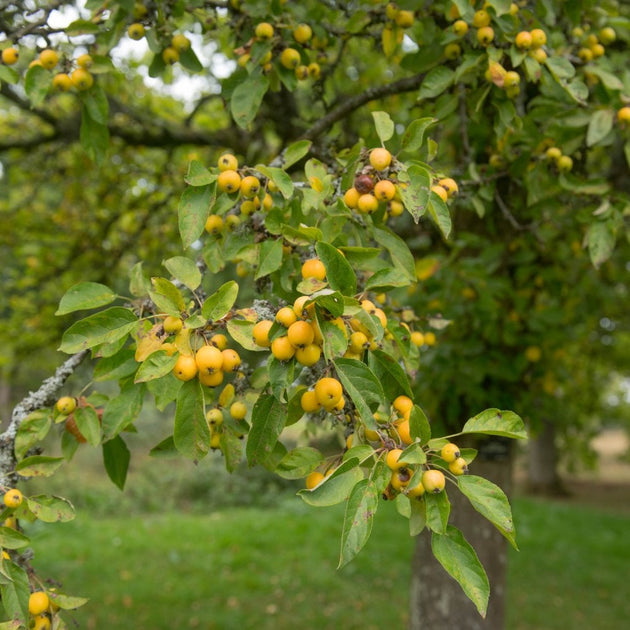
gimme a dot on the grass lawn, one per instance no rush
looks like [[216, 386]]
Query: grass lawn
[[275, 568]]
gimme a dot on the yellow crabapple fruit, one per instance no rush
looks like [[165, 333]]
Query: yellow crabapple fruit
[[450, 452], [231, 360], [38, 603], [480, 19], [459, 466], [404, 432], [367, 203], [351, 198], [260, 333], [417, 338], [172, 324], [539, 37], [384, 190], [135, 31], [48, 58], [290, 58], [404, 19], [308, 355], [219, 341], [328, 391], [82, 79], [460, 28], [309, 402], [238, 410], [623, 115], [400, 479], [229, 181], [250, 186], [452, 51], [433, 481], [565, 164], [170, 55], [286, 316], [66, 405], [302, 33], [392, 457], [524, 40], [264, 31], [485, 35], [209, 359], [13, 498], [227, 162], [214, 417], [211, 379], [403, 404], [10, 56], [313, 268], [380, 158], [282, 349], [85, 61], [416, 491], [62, 82], [300, 334], [429, 338], [185, 368], [180, 42], [440, 192]]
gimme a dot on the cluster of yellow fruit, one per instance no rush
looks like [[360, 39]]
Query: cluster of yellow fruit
[[41, 608], [216, 418], [80, 78], [623, 117], [564, 163], [415, 481], [231, 181], [591, 46], [327, 394], [289, 57], [209, 363], [374, 185], [170, 54]]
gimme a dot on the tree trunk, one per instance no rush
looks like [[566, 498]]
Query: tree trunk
[[542, 462], [437, 600]]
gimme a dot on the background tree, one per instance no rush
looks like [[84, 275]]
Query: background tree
[[530, 126]]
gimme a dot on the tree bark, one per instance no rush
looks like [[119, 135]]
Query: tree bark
[[542, 462], [437, 600]]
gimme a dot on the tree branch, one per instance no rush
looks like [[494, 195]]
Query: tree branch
[[352, 103]]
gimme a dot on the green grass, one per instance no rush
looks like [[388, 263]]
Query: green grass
[[275, 568]]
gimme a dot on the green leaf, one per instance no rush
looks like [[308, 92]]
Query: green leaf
[[88, 424], [339, 272], [67, 602], [198, 174], [268, 419], [418, 516], [139, 285], [96, 104], [357, 523], [362, 386], [600, 125], [335, 341], [436, 82], [414, 134], [94, 137], [295, 152], [500, 6], [335, 488], [490, 501], [560, 67], [12, 538], [37, 81], [279, 178], [8, 75], [117, 366], [185, 270], [193, 210], [419, 426], [247, 98], [107, 326], [601, 242], [116, 457], [415, 197], [122, 410], [459, 559], [33, 429], [438, 211], [218, 304], [384, 126], [16, 592], [188, 59], [611, 81], [390, 374], [157, 365], [398, 250], [167, 297], [166, 448], [241, 331], [496, 422], [437, 511], [299, 462], [232, 448], [270, 258], [191, 433], [39, 465], [85, 295], [51, 509]]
